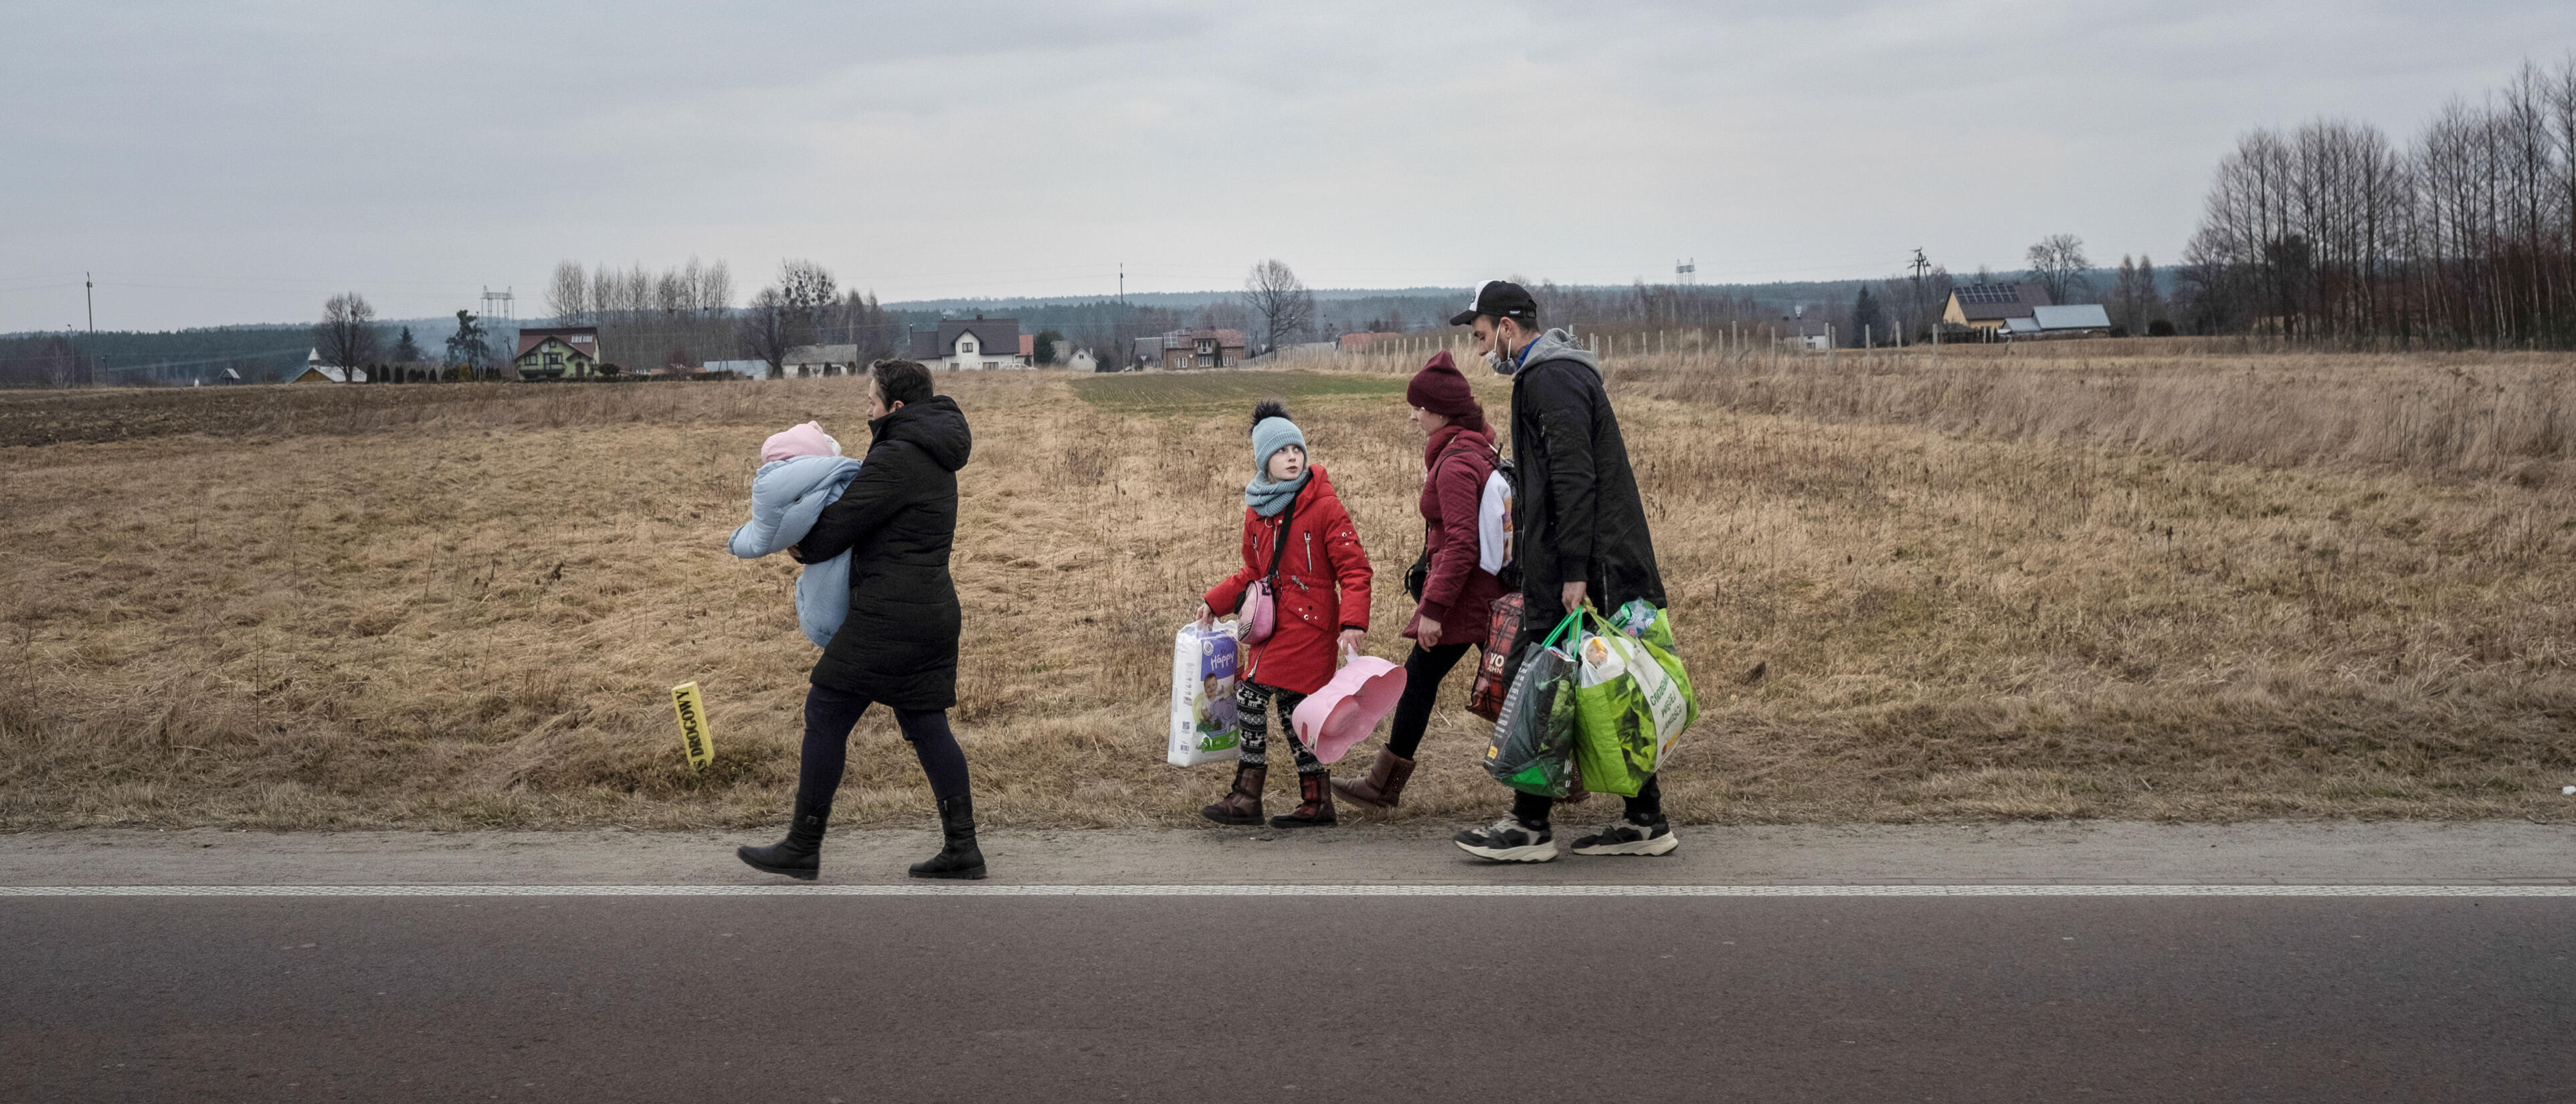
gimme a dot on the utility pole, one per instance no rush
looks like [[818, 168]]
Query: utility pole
[[1919, 265], [90, 302], [1122, 283]]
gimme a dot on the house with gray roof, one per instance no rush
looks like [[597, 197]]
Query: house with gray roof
[[821, 360], [977, 342], [2068, 321], [1987, 306]]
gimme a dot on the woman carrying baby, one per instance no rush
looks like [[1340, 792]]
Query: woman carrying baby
[[897, 645]]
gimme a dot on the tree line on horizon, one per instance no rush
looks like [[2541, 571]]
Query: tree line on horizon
[[2464, 237]]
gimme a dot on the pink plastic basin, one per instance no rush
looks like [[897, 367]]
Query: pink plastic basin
[[1336, 718]]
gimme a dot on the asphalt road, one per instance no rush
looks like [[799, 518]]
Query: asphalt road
[[1295, 998]]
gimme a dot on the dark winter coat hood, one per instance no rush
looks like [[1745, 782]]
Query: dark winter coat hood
[[933, 425]]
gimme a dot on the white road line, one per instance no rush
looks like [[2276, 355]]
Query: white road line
[[2566, 890]]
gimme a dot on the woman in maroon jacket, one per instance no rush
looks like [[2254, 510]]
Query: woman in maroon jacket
[[1458, 594], [1320, 575]]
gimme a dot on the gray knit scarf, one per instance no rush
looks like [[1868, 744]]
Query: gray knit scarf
[[1268, 498]]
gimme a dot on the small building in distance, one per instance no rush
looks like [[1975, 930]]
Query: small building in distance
[[977, 342], [2072, 320], [317, 372], [556, 352], [1987, 306], [1202, 347], [821, 360]]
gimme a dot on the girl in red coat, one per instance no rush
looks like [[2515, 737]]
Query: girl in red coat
[[1296, 535]]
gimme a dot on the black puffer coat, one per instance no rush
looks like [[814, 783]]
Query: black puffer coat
[[898, 519], [1578, 516]]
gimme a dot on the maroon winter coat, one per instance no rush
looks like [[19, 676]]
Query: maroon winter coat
[[1459, 594], [1323, 587]]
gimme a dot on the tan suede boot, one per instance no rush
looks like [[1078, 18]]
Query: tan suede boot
[[1383, 783]]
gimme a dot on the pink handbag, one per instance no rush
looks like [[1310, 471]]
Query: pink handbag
[[1258, 612]]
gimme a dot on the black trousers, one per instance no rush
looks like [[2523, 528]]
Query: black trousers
[[829, 717], [1423, 671], [1531, 809]]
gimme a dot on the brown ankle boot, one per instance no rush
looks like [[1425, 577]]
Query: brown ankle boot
[[1242, 804], [1316, 806], [1381, 786]]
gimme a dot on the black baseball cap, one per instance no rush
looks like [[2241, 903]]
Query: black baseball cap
[[1502, 299]]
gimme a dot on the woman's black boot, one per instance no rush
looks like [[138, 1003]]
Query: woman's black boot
[[958, 857], [800, 855]]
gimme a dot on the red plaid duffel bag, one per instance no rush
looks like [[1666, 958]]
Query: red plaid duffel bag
[[1493, 675]]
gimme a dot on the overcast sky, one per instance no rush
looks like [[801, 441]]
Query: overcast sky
[[218, 163]]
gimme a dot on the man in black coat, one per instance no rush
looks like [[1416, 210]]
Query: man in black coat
[[897, 520], [1579, 535]]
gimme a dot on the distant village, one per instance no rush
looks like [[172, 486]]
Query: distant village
[[1982, 312], [608, 324]]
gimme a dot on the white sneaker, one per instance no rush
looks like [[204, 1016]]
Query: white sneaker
[[1627, 837], [1507, 840]]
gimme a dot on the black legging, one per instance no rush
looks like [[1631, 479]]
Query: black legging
[[829, 717], [1423, 671]]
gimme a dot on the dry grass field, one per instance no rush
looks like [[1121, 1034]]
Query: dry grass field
[[2101, 580]]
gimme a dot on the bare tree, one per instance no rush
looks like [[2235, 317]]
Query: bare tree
[[672, 292], [863, 323], [2057, 262], [767, 329], [2133, 295], [603, 294], [635, 293], [346, 336], [1279, 302], [61, 365], [568, 294], [715, 288], [807, 291]]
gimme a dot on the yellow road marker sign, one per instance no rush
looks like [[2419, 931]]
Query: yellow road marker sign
[[695, 737]]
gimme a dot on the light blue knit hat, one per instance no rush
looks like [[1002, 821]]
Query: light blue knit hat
[[1271, 435]]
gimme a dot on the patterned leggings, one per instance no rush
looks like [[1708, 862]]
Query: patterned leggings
[[1251, 707]]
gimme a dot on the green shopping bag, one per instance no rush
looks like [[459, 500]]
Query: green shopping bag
[[1653, 628], [1532, 749], [1628, 707]]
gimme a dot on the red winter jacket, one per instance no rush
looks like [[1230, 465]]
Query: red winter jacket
[[1459, 594], [1323, 587]]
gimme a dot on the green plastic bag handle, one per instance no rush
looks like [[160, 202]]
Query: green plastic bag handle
[[1570, 620]]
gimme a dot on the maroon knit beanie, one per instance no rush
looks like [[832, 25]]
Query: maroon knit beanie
[[1439, 389]]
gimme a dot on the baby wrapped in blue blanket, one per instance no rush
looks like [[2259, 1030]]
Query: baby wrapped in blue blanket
[[801, 471]]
